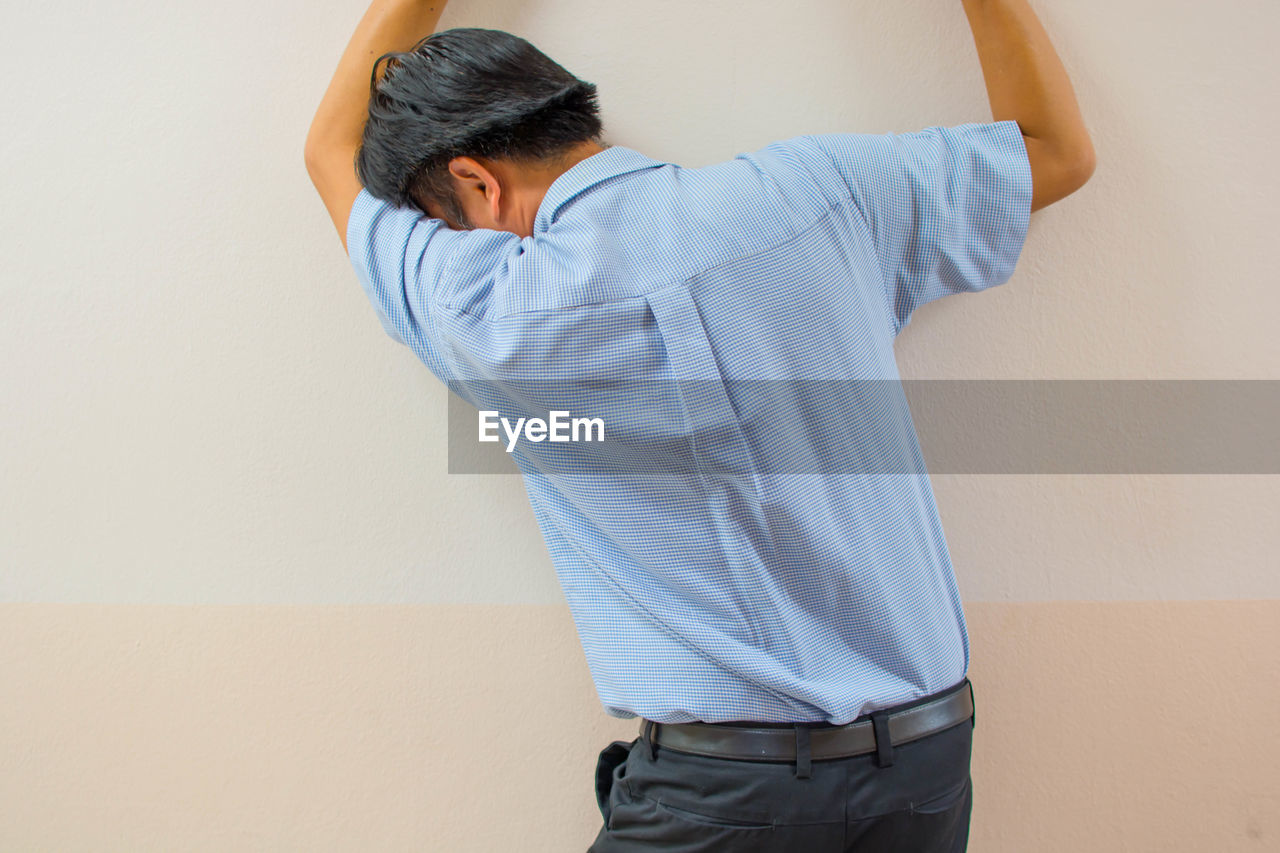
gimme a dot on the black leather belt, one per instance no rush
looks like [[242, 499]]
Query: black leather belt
[[777, 741]]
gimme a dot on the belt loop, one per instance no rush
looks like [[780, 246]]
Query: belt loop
[[973, 719], [884, 745], [803, 755], [647, 737]]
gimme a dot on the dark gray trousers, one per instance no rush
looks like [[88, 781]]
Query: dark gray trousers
[[919, 802]]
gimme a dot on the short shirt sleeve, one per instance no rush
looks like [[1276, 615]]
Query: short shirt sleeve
[[409, 264], [946, 208]]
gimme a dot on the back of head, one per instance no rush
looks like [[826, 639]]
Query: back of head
[[471, 92]]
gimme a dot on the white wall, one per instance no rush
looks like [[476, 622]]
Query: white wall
[[200, 406]]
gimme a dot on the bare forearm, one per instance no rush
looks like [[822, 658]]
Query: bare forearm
[[387, 25], [1025, 79]]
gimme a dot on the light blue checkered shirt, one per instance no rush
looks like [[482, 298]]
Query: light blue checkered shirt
[[728, 588]]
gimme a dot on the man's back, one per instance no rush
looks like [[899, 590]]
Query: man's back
[[755, 538]]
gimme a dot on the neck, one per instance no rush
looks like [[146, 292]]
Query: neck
[[548, 176], [575, 156]]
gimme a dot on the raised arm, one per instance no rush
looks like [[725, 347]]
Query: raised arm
[[1027, 83], [336, 130]]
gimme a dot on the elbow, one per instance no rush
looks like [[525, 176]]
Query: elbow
[[1083, 164], [324, 158], [311, 158], [1066, 176], [1059, 169], [1078, 161]]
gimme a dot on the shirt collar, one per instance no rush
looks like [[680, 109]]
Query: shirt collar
[[586, 173]]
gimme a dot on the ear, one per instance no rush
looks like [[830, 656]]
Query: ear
[[474, 177]]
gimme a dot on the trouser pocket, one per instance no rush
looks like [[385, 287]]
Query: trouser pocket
[[610, 758]]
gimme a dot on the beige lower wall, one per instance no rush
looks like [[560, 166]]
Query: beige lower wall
[[1101, 727]]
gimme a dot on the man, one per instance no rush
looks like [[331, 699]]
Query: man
[[785, 624]]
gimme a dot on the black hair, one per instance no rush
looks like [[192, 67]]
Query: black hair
[[471, 92]]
